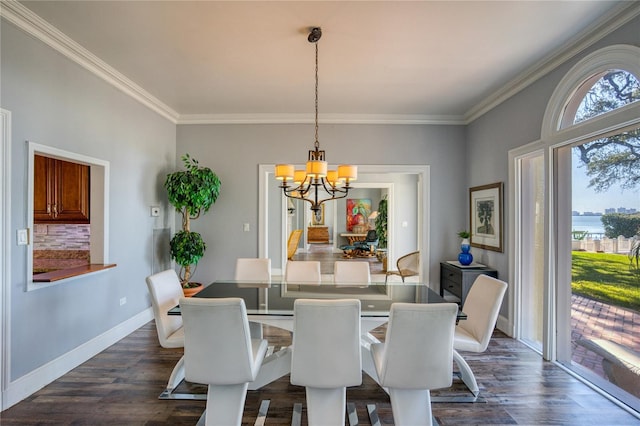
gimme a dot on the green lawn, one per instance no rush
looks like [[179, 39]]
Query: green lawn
[[605, 277]]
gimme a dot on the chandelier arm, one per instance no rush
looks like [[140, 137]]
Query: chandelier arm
[[288, 195], [334, 197], [330, 188], [300, 188], [333, 189]]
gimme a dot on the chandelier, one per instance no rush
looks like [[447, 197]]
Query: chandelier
[[315, 181]]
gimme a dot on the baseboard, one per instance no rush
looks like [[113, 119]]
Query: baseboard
[[503, 324], [37, 379]]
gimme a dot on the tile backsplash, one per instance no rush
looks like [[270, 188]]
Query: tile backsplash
[[61, 237]]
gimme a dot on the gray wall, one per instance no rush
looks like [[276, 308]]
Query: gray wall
[[57, 103], [517, 122], [441, 147]]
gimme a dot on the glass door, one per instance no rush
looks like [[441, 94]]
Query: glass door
[[595, 235], [531, 241]]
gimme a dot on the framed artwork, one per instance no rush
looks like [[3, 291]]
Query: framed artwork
[[485, 216], [314, 221], [358, 211]]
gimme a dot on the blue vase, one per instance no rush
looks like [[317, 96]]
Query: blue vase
[[465, 258]]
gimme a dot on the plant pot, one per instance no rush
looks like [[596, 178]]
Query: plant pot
[[190, 291]]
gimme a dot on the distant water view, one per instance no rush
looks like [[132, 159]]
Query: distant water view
[[591, 224]]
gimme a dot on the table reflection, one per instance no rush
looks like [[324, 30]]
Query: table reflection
[[277, 297]]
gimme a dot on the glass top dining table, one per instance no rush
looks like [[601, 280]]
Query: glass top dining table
[[276, 298], [271, 303]]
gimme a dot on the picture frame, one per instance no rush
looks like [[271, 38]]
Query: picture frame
[[486, 216], [358, 211], [314, 221]]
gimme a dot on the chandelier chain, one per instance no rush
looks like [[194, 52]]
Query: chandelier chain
[[317, 144]]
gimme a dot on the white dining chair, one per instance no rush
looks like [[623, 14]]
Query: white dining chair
[[254, 270], [220, 353], [302, 272], [326, 355], [165, 292], [482, 307], [417, 356], [348, 272]]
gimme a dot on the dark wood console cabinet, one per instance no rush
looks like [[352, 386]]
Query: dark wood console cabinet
[[458, 281], [60, 191]]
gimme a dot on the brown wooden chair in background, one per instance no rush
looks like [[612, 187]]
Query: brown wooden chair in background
[[408, 266]]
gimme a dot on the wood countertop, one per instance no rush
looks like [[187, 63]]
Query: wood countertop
[[61, 274]]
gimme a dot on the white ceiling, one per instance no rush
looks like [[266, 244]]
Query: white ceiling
[[442, 61]]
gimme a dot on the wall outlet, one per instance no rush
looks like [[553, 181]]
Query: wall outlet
[[155, 211], [123, 300]]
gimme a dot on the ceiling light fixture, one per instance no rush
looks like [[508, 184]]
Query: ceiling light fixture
[[309, 184]]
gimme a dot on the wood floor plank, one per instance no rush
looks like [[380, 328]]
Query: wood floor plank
[[121, 386]]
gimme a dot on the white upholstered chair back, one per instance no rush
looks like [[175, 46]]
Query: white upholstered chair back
[[418, 348], [219, 352], [303, 272], [351, 272], [253, 269], [482, 307], [165, 291], [217, 341], [417, 356], [326, 355]]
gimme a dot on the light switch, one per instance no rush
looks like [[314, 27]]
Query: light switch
[[404, 224], [23, 237], [246, 227]]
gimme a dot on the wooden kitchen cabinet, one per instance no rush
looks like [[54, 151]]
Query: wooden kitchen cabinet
[[60, 191]]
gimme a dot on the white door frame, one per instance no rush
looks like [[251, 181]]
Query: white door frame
[[5, 249], [266, 178]]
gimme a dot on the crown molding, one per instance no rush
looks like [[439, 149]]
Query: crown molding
[[32, 24], [25, 19], [609, 22], [293, 118]]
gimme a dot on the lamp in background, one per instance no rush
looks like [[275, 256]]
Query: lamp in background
[[316, 181]]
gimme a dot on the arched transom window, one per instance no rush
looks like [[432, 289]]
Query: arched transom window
[[612, 89]]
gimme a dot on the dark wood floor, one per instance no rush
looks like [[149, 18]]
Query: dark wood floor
[[120, 386]]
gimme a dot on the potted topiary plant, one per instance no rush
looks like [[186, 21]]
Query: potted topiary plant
[[192, 192]]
